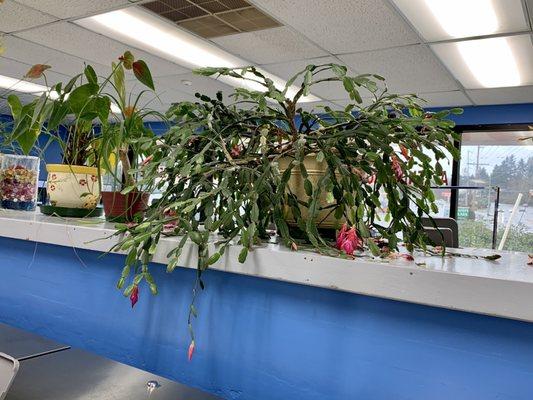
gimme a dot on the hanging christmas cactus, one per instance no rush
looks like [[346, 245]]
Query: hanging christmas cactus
[[261, 165]]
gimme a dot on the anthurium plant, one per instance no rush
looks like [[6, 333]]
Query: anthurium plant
[[80, 104], [224, 170]]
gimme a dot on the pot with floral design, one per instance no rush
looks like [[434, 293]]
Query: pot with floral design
[[73, 186]]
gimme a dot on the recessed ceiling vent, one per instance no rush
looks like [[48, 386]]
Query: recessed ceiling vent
[[213, 18]]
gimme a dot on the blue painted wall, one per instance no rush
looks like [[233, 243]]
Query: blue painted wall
[[260, 339]]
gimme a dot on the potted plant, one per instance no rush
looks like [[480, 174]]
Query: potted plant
[[130, 139], [65, 115], [68, 114], [241, 170]]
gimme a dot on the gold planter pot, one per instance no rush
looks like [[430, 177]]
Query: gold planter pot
[[315, 171]]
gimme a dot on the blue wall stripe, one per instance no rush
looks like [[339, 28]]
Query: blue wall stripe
[[259, 339]]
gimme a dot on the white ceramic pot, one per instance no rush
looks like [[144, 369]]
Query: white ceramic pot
[[73, 186]]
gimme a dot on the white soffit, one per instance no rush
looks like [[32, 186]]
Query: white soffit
[[444, 99], [498, 138], [438, 20], [488, 63], [511, 95]]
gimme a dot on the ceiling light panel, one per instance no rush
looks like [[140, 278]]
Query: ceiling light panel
[[489, 63], [438, 20], [157, 36]]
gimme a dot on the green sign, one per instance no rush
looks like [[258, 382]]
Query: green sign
[[462, 212]]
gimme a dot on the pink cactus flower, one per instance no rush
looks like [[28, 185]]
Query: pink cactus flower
[[191, 351], [348, 240], [236, 151], [397, 168], [147, 160], [134, 296]]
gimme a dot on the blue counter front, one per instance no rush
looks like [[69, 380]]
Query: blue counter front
[[263, 339]]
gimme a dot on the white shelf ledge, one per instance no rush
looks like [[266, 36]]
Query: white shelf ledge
[[502, 288]]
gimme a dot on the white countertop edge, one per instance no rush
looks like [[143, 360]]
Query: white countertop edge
[[501, 288]]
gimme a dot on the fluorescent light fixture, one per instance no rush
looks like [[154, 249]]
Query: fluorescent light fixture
[[18, 85], [438, 20], [460, 18], [153, 34], [491, 61], [22, 86]]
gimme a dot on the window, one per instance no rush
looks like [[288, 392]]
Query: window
[[497, 158]]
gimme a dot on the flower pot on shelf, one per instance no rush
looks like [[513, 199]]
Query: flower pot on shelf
[[120, 207], [19, 179], [73, 186], [315, 169]]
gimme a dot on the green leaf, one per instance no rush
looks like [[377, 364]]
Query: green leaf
[[243, 254], [143, 74], [213, 259], [15, 105], [81, 96], [373, 247], [308, 186], [103, 107], [119, 79], [90, 74]]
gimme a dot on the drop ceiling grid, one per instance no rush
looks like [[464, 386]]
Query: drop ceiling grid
[[263, 5], [96, 48]]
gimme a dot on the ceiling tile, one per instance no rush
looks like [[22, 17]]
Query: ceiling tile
[[73, 8], [163, 94], [343, 26], [16, 69], [344, 102], [68, 38], [326, 90], [200, 84], [521, 94], [406, 69], [31, 53], [453, 98], [270, 45], [15, 17]]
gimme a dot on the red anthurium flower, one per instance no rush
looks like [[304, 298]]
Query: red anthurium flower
[[134, 296], [191, 351], [37, 71], [127, 59]]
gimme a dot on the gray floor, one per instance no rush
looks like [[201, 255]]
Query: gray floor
[[51, 371]]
